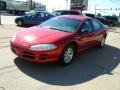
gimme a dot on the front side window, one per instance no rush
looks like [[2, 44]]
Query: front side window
[[62, 24]]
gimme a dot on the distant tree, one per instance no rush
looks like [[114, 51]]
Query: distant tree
[[99, 14], [114, 15], [53, 9]]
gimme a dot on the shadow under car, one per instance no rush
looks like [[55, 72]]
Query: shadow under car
[[86, 66]]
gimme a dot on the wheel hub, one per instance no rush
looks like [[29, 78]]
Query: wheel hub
[[68, 55]]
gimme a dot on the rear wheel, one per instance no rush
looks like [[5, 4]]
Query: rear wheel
[[67, 54], [112, 24], [102, 42]]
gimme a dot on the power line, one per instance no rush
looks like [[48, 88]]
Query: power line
[[114, 2]]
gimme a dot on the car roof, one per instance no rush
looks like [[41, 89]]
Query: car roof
[[44, 12], [66, 11], [78, 17], [39, 11]]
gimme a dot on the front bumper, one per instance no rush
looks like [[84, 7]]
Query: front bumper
[[35, 56]]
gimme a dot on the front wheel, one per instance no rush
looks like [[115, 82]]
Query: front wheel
[[67, 54]]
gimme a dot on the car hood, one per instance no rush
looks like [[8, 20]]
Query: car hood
[[37, 35]]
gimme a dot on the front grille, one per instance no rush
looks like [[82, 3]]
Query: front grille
[[28, 55], [25, 54], [43, 56]]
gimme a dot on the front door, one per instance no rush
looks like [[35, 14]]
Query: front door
[[86, 36]]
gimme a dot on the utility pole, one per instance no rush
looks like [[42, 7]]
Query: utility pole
[[95, 9], [30, 4]]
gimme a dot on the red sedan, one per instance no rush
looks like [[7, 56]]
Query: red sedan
[[59, 39]]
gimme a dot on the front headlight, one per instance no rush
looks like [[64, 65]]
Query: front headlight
[[43, 47], [13, 38]]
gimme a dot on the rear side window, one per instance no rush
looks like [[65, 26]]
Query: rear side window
[[96, 25]]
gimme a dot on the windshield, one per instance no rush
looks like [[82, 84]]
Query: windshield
[[62, 24]]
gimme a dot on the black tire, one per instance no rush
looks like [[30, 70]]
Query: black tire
[[102, 42], [112, 24], [67, 55], [20, 23]]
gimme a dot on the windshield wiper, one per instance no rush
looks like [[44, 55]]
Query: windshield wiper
[[54, 28], [58, 29]]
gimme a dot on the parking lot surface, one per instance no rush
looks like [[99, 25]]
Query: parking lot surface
[[93, 69], [7, 19]]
